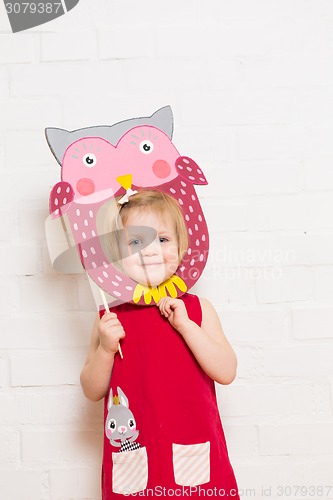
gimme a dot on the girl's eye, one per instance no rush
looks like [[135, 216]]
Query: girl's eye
[[146, 147], [162, 239], [134, 243], [89, 160]]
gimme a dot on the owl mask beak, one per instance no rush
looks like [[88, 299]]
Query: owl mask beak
[[126, 182]]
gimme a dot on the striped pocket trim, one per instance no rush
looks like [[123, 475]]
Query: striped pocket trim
[[191, 463], [130, 471]]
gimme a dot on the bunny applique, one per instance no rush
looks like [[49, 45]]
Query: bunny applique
[[130, 468]]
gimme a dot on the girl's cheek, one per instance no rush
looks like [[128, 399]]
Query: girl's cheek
[[173, 252]]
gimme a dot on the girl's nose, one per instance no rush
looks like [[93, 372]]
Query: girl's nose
[[151, 249]]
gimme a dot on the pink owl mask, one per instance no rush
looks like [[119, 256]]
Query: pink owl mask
[[99, 163]]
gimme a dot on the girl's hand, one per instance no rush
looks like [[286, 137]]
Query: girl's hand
[[175, 311], [110, 331]]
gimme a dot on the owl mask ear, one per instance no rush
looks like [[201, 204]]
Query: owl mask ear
[[58, 139], [163, 119]]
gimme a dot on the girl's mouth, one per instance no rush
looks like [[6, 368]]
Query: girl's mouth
[[147, 264]]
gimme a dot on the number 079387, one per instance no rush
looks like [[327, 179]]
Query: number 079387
[[32, 7]]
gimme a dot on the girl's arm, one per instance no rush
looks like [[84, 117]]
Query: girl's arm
[[208, 343], [96, 373]]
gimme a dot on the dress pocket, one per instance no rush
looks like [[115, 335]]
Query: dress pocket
[[130, 471], [191, 463]]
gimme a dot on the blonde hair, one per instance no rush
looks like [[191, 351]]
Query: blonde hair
[[148, 200]]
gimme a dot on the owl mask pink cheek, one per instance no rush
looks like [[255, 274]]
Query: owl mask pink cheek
[[161, 169], [85, 187], [108, 433]]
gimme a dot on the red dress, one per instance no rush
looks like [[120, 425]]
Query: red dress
[[183, 448]]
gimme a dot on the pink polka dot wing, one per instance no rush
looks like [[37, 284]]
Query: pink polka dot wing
[[100, 163]]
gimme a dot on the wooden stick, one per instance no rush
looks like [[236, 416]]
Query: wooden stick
[[106, 305]]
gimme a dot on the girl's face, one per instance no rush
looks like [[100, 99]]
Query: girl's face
[[145, 261]]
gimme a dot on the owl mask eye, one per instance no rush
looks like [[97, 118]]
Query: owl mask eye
[[89, 160], [146, 147]]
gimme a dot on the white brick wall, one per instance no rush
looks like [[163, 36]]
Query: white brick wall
[[251, 87]]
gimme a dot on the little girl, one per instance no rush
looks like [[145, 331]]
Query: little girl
[[173, 352]]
